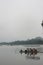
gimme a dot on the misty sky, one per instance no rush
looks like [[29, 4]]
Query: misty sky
[[20, 19]]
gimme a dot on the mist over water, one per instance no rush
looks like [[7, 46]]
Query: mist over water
[[9, 55]]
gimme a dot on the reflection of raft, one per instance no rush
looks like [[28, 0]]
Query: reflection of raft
[[34, 58]]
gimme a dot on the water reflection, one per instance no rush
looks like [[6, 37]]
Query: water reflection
[[31, 57], [28, 56]]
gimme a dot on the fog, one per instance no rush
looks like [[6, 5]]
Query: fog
[[20, 19]]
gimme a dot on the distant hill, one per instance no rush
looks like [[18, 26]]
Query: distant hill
[[37, 40]]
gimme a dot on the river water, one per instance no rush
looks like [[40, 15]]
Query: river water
[[9, 55]]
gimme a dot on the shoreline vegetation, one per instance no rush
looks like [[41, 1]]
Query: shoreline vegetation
[[37, 40]]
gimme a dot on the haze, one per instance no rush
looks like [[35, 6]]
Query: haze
[[20, 19]]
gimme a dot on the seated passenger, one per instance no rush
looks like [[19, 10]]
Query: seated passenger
[[25, 51], [31, 51]]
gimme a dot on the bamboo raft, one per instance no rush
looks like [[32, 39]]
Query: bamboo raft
[[30, 51]]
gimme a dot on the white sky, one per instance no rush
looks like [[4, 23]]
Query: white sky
[[20, 19]]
